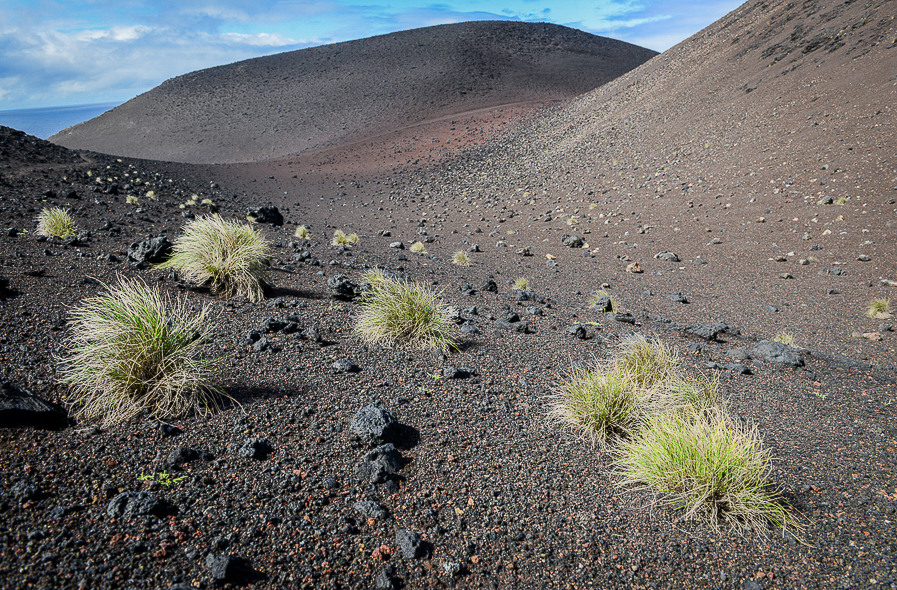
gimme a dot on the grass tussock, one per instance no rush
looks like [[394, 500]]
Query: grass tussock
[[879, 309], [675, 436], [228, 255], [707, 465], [600, 403], [784, 338], [341, 238], [301, 232], [418, 248], [460, 258], [521, 284], [56, 223], [402, 313], [649, 363], [134, 350]]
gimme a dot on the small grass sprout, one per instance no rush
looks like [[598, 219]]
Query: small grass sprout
[[706, 465], [461, 258], [56, 223], [842, 201], [520, 283], [301, 232], [418, 248], [340, 238], [151, 195], [135, 350], [784, 338], [879, 309], [648, 363], [207, 202], [131, 200], [403, 313], [228, 255], [161, 478], [600, 403]]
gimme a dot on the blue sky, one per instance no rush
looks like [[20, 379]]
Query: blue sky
[[68, 52]]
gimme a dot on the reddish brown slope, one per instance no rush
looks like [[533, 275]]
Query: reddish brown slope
[[278, 105]]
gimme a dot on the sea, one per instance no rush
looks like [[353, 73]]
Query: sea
[[46, 121]]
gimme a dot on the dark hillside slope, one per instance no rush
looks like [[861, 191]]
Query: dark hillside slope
[[273, 106], [760, 149]]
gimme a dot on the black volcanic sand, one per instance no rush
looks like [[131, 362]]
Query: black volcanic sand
[[497, 492], [279, 105]]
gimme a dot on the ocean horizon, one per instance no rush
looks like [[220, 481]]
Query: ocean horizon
[[44, 122]]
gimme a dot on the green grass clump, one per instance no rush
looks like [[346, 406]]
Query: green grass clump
[[418, 248], [228, 255], [131, 200], [56, 223], [879, 309], [784, 338], [707, 465], [134, 350], [340, 238], [690, 396], [521, 284], [403, 313], [301, 232], [648, 363], [597, 298], [600, 403], [461, 258], [841, 201]]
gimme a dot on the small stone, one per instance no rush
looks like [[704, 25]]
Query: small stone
[[678, 298], [410, 544], [228, 568], [255, 448], [371, 509], [667, 256], [863, 258], [265, 214], [634, 268], [132, 504], [786, 275], [345, 366]]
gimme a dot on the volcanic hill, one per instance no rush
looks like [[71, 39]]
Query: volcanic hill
[[274, 106]]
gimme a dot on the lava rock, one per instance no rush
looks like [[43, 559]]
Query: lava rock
[[410, 544], [345, 366], [667, 256], [374, 425], [576, 330], [20, 407], [706, 331], [371, 509], [132, 504], [604, 304], [229, 568], [488, 285], [255, 448], [340, 287], [154, 251], [777, 353], [572, 241], [266, 214], [379, 464], [678, 298], [181, 455], [623, 317]]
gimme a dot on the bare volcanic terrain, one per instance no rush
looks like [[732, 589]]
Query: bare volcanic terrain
[[278, 105], [740, 187]]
